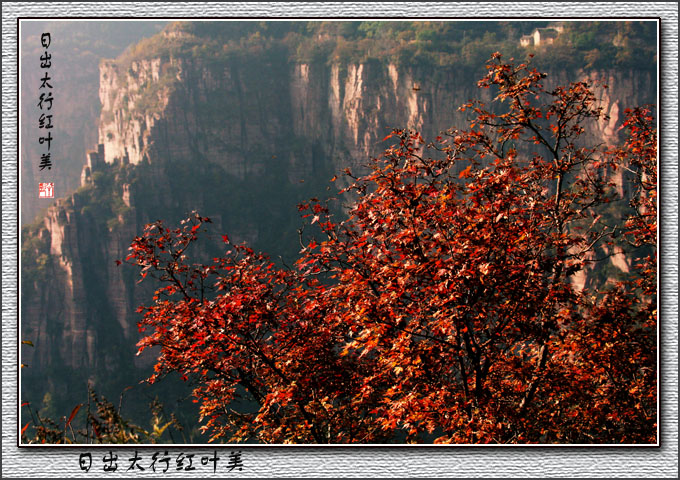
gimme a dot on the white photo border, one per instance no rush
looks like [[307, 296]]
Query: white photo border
[[432, 462]]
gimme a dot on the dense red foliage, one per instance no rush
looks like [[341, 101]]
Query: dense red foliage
[[443, 309]]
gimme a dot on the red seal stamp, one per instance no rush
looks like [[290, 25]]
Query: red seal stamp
[[45, 190]]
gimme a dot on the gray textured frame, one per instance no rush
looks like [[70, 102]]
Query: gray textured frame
[[368, 461]]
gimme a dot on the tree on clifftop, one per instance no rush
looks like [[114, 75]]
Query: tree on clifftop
[[443, 309]]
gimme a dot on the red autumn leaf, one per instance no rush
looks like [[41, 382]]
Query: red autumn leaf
[[73, 414]]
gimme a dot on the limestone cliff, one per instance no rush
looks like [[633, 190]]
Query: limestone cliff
[[239, 116]]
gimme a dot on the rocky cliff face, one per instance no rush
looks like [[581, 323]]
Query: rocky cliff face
[[225, 113], [237, 116], [78, 312], [242, 121]]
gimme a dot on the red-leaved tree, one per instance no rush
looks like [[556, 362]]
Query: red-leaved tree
[[444, 307]]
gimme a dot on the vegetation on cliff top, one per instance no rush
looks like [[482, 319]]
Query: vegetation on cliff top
[[461, 44]]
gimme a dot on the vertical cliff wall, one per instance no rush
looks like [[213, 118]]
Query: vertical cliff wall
[[238, 115]]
